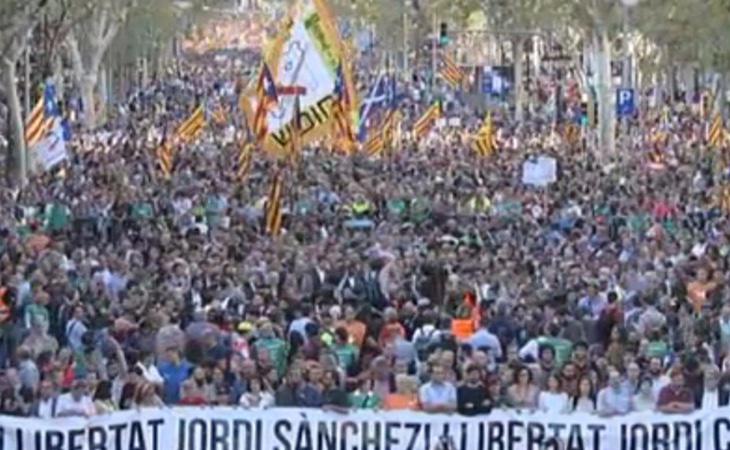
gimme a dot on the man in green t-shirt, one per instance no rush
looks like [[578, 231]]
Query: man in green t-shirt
[[347, 354], [274, 346]]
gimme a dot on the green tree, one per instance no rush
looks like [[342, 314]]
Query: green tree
[[18, 18]]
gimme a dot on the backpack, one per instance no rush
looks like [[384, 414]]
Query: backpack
[[422, 344]]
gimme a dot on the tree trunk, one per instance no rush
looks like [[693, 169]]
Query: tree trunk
[[102, 94], [688, 80], [87, 84], [518, 52], [57, 65], [15, 127], [605, 94]]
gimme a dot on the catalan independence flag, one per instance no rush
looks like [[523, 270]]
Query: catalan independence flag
[[716, 134], [486, 143], [165, 158], [245, 160], [192, 127], [425, 122], [451, 73], [390, 125], [722, 199], [572, 134], [274, 208], [374, 146], [40, 120], [185, 133], [267, 98]]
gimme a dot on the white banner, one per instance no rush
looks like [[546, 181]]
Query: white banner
[[300, 429], [52, 150], [539, 171]]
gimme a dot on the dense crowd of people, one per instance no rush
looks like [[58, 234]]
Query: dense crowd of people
[[428, 280]]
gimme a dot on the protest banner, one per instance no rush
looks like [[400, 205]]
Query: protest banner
[[224, 428], [540, 171]]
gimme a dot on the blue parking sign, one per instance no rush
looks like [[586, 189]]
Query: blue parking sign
[[625, 104]]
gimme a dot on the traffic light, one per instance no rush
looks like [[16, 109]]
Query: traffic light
[[444, 34], [589, 113]]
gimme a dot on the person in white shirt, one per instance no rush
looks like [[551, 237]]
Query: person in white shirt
[[644, 399], [438, 395], [711, 395], [76, 403], [553, 400], [256, 397]]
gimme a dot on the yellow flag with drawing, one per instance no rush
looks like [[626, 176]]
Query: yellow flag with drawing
[[304, 60]]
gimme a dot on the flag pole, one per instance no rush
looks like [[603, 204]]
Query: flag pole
[[434, 50]]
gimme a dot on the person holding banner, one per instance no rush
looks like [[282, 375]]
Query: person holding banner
[[438, 395], [675, 398]]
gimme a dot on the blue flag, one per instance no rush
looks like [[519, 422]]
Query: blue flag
[[382, 97]]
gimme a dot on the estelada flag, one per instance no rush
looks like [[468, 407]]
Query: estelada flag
[[274, 209], [451, 73], [192, 127], [165, 158], [267, 98], [716, 135], [245, 161], [425, 122], [486, 142]]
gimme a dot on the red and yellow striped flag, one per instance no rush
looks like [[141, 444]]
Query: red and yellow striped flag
[[245, 161], [192, 127], [37, 125], [571, 134], [220, 117], [165, 158], [486, 143], [425, 122], [375, 145], [716, 135], [451, 73], [722, 199], [274, 209], [390, 125]]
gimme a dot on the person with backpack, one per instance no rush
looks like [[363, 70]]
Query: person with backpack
[[424, 336]]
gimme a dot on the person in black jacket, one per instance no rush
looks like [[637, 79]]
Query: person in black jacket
[[472, 397]]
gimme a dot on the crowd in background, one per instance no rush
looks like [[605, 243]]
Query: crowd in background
[[431, 279]]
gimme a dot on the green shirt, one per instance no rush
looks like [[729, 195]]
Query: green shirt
[[346, 355], [639, 223], [57, 217], [277, 351], [141, 210], [35, 313], [657, 349], [397, 206], [364, 400], [563, 348]]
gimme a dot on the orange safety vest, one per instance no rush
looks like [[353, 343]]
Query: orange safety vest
[[4, 308]]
